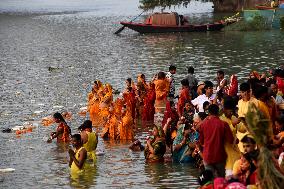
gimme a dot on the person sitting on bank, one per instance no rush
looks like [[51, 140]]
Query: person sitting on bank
[[78, 156], [89, 139], [63, 131]]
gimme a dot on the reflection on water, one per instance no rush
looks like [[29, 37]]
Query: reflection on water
[[81, 47]]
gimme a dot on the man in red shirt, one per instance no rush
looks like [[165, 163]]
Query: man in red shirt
[[213, 134]]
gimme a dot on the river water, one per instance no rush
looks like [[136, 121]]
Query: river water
[[76, 38]]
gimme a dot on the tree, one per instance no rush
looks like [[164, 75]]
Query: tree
[[219, 5]]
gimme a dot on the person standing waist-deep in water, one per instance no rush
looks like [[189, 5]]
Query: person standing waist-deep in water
[[89, 139], [63, 131], [78, 156]]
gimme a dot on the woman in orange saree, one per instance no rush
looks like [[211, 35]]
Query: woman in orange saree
[[94, 102], [161, 89], [126, 125], [105, 102]]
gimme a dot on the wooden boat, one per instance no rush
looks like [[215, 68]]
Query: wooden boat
[[263, 7], [172, 22]]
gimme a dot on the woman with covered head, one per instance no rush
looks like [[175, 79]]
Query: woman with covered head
[[162, 90], [156, 147], [126, 126], [105, 102], [94, 102]]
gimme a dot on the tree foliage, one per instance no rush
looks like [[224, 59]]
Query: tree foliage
[[151, 4]]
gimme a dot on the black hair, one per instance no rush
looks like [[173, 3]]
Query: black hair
[[206, 103], [161, 75], [190, 70], [220, 72], [248, 139], [77, 137], [86, 124], [184, 82], [213, 109], [229, 103], [208, 84], [259, 91], [129, 80], [172, 68], [244, 87], [202, 115], [59, 116]]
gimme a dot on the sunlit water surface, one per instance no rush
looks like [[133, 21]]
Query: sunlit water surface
[[77, 38]]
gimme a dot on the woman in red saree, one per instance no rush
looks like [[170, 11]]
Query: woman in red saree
[[148, 105], [183, 97], [232, 89]]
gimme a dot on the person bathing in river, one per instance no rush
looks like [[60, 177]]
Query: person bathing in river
[[78, 156], [156, 147], [63, 131], [89, 139], [184, 144]]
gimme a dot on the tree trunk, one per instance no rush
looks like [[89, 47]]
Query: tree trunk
[[235, 5]]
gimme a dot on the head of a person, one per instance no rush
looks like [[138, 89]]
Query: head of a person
[[213, 109], [245, 91], [158, 132], [184, 83], [220, 74], [187, 105], [172, 69], [190, 70], [128, 82], [172, 105], [208, 88], [279, 123], [123, 110], [206, 105], [87, 124], [260, 92], [76, 140], [274, 89], [58, 117], [161, 75], [229, 107], [249, 144]]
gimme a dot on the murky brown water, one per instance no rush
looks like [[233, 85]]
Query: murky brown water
[[83, 48]]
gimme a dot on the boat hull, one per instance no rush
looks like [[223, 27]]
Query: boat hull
[[148, 28]]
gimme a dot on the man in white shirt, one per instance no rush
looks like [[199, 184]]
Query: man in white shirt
[[206, 96]]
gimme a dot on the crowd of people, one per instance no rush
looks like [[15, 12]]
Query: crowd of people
[[205, 124]]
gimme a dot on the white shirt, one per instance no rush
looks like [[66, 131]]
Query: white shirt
[[198, 101]]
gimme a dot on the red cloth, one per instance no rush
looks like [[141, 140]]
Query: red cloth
[[232, 90], [148, 107], [184, 96], [280, 84], [213, 134], [170, 113]]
